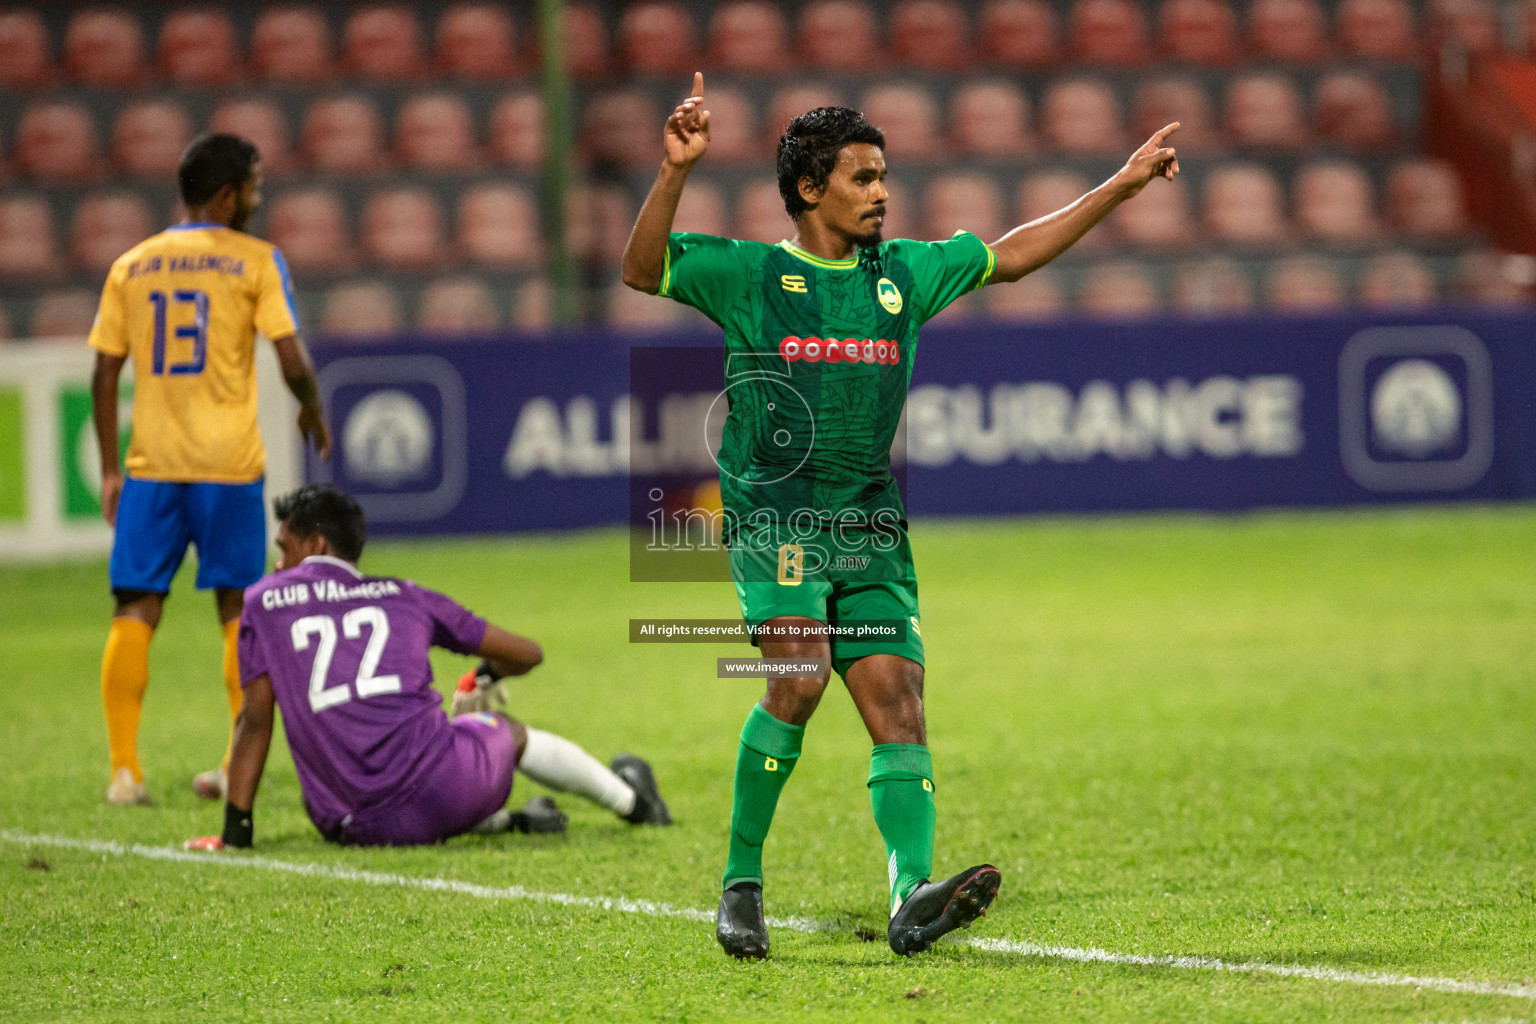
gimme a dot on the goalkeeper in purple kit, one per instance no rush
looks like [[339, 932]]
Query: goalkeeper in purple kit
[[344, 655], [813, 518]]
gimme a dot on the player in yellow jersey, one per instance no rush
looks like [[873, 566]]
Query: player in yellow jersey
[[185, 306]]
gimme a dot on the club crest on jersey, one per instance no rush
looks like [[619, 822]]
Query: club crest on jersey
[[890, 297]]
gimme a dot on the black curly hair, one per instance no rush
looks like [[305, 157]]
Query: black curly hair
[[328, 511], [809, 147]]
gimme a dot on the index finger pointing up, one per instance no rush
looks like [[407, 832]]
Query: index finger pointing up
[[698, 84], [1163, 133]]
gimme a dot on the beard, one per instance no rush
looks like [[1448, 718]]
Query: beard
[[872, 238], [241, 217]]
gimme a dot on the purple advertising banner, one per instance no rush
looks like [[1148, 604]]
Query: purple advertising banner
[[478, 436]]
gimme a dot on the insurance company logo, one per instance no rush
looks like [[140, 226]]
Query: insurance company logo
[[1416, 408], [404, 451], [889, 296], [388, 439]]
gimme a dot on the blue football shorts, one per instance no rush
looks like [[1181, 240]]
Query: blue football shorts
[[157, 519]]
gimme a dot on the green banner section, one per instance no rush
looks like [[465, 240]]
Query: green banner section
[[13, 464], [79, 465]]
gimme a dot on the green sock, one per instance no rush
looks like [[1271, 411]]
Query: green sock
[[901, 793], [769, 750]]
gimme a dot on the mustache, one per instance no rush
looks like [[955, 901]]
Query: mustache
[[878, 211]]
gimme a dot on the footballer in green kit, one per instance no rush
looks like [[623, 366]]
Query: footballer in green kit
[[820, 335]]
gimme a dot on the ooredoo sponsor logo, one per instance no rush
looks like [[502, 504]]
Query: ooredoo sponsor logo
[[845, 350]]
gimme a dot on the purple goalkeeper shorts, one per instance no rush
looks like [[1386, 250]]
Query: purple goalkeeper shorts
[[469, 783]]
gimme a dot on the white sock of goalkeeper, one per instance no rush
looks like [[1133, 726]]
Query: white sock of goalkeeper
[[561, 765]]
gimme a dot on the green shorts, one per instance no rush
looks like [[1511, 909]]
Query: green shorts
[[869, 596]]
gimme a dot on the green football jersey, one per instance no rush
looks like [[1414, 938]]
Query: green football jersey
[[818, 359]]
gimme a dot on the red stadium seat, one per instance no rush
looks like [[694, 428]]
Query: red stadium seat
[[344, 135], [734, 133], [436, 132], [476, 41], [760, 214], [1381, 29], [930, 34], [656, 37], [403, 229], [148, 138], [1118, 291], [24, 62], [839, 36], [1112, 32], [598, 219], [790, 102], [360, 309], [27, 247], [1289, 30], [1046, 192], [1198, 31], [749, 37], [457, 305], [262, 123], [586, 42], [702, 209], [56, 141], [67, 313], [1039, 296], [105, 227], [1213, 286], [198, 47], [383, 44], [909, 117], [1334, 202], [1305, 284], [964, 202], [1162, 101], [1082, 117], [1161, 216], [105, 47], [1019, 33], [1472, 23], [1353, 110], [292, 44], [623, 128], [1399, 279], [1490, 278], [517, 130], [310, 227], [533, 306], [1243, 205], [990, 118], [1424, 198], [637, 311], [1264, 111], [498, 226]]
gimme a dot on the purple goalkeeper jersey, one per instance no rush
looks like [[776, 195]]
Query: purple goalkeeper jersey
[[347, 656]]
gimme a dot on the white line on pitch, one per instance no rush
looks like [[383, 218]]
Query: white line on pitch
[[800, 924]]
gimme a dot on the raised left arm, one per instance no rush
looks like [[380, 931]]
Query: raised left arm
[[1033, 245]]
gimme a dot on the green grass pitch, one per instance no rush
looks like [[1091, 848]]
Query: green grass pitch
[[1280, 739]]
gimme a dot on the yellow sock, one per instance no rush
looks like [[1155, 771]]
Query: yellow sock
[[232, 683], [124, 677]]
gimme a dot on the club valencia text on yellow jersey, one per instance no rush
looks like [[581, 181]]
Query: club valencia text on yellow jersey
[[185, 307]]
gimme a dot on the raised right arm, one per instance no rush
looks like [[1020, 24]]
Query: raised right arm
[[685, 139]]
